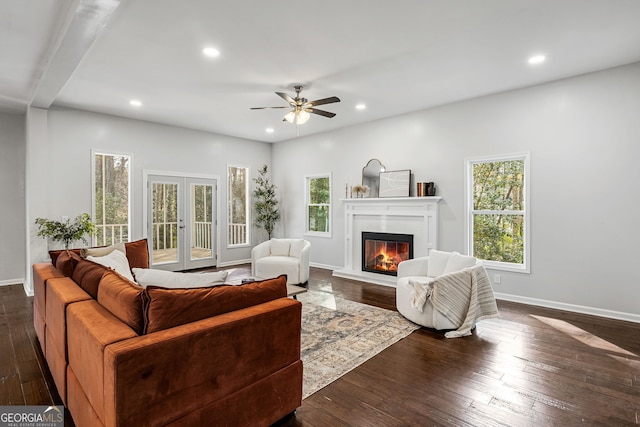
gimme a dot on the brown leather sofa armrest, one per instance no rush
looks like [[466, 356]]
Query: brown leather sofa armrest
[[160, 377]]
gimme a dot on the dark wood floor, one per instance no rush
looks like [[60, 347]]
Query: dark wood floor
[[530, 367]]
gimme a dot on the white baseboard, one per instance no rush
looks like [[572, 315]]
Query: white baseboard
[[232, 263], [12, 282], [629, 317], [324, 266], [21, 282]]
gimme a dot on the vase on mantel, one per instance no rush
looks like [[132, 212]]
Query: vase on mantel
[[424, 189]]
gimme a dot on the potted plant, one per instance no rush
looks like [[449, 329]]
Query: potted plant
[[265, 203], [66, 231]]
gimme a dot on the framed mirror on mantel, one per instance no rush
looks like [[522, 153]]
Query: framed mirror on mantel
[[371, 176]]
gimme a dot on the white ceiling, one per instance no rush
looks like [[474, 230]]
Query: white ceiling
[[394, 56]]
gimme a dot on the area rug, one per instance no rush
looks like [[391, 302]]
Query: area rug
[[338, 335]]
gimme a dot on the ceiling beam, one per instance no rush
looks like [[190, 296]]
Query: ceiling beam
[[85, 23]]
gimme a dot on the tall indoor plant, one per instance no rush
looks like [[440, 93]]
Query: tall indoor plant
[[66, 231], [265, 203]]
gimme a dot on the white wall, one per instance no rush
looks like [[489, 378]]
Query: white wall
[[65, 175], [12, 202], [583, 134]]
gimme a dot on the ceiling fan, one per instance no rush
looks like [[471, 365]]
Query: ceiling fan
[[301, 107]]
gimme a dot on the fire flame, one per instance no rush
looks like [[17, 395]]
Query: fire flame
[[384, 262]]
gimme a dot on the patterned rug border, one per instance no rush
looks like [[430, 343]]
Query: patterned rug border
[[338, 335]]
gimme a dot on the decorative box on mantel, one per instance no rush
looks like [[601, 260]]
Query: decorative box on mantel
[[417, 216]]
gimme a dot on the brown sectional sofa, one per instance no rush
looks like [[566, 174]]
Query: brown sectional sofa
[[224, 356]]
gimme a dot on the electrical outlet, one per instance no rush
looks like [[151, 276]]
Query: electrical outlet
[[496, 278]]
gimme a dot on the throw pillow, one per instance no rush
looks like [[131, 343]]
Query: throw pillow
[[123, 299], [138, 253], [55, 253], [87, 275], [102, 251], [116, 260], [297, 245], [280, 247], [170, 279], [459, 262], [66, 262], [166, 308], [437, 262]]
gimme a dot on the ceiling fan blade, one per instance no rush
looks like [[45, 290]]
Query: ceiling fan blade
[[320, 112], [286, 97], [266, 108], [323, 101]]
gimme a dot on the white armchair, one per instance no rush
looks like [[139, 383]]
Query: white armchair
[[282, 256], [445, 290]]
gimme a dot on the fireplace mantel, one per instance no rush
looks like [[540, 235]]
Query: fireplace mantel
[[408, 215]]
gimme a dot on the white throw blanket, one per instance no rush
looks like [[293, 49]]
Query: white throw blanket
[[421, 290], [464, 297]]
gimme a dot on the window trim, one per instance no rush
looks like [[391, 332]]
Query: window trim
[[307, 181], [94, 152], [525, 267], [247, 207]]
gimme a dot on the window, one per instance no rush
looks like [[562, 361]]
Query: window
[[111, 195], [319, 205], [238, 203], [498, 211]]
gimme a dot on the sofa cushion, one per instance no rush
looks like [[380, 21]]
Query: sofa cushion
[[102, 250], [138, 253], [437, 262], [459, 262], [170, 279], [66, 262], [116, 260], [166, 308], [297, 245], [87, 275], [123, 299], [280, 247]]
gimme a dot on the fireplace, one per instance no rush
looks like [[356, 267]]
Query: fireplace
[[382, 252]]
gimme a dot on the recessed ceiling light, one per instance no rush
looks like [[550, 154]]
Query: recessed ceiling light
[[537, 59], [211, 52], [135, 103], [361, 107], [269, 130]]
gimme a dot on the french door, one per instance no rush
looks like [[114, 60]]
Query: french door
[[181, 222]]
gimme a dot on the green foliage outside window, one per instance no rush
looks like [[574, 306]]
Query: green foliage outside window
[[112, 198], [238, 198], [165, 215], [319, 204], [202, 203], [498, 211]]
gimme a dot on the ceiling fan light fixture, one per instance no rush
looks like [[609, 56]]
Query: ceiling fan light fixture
[[290, 116], [297, 117], [303, 116], [302, 108]]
